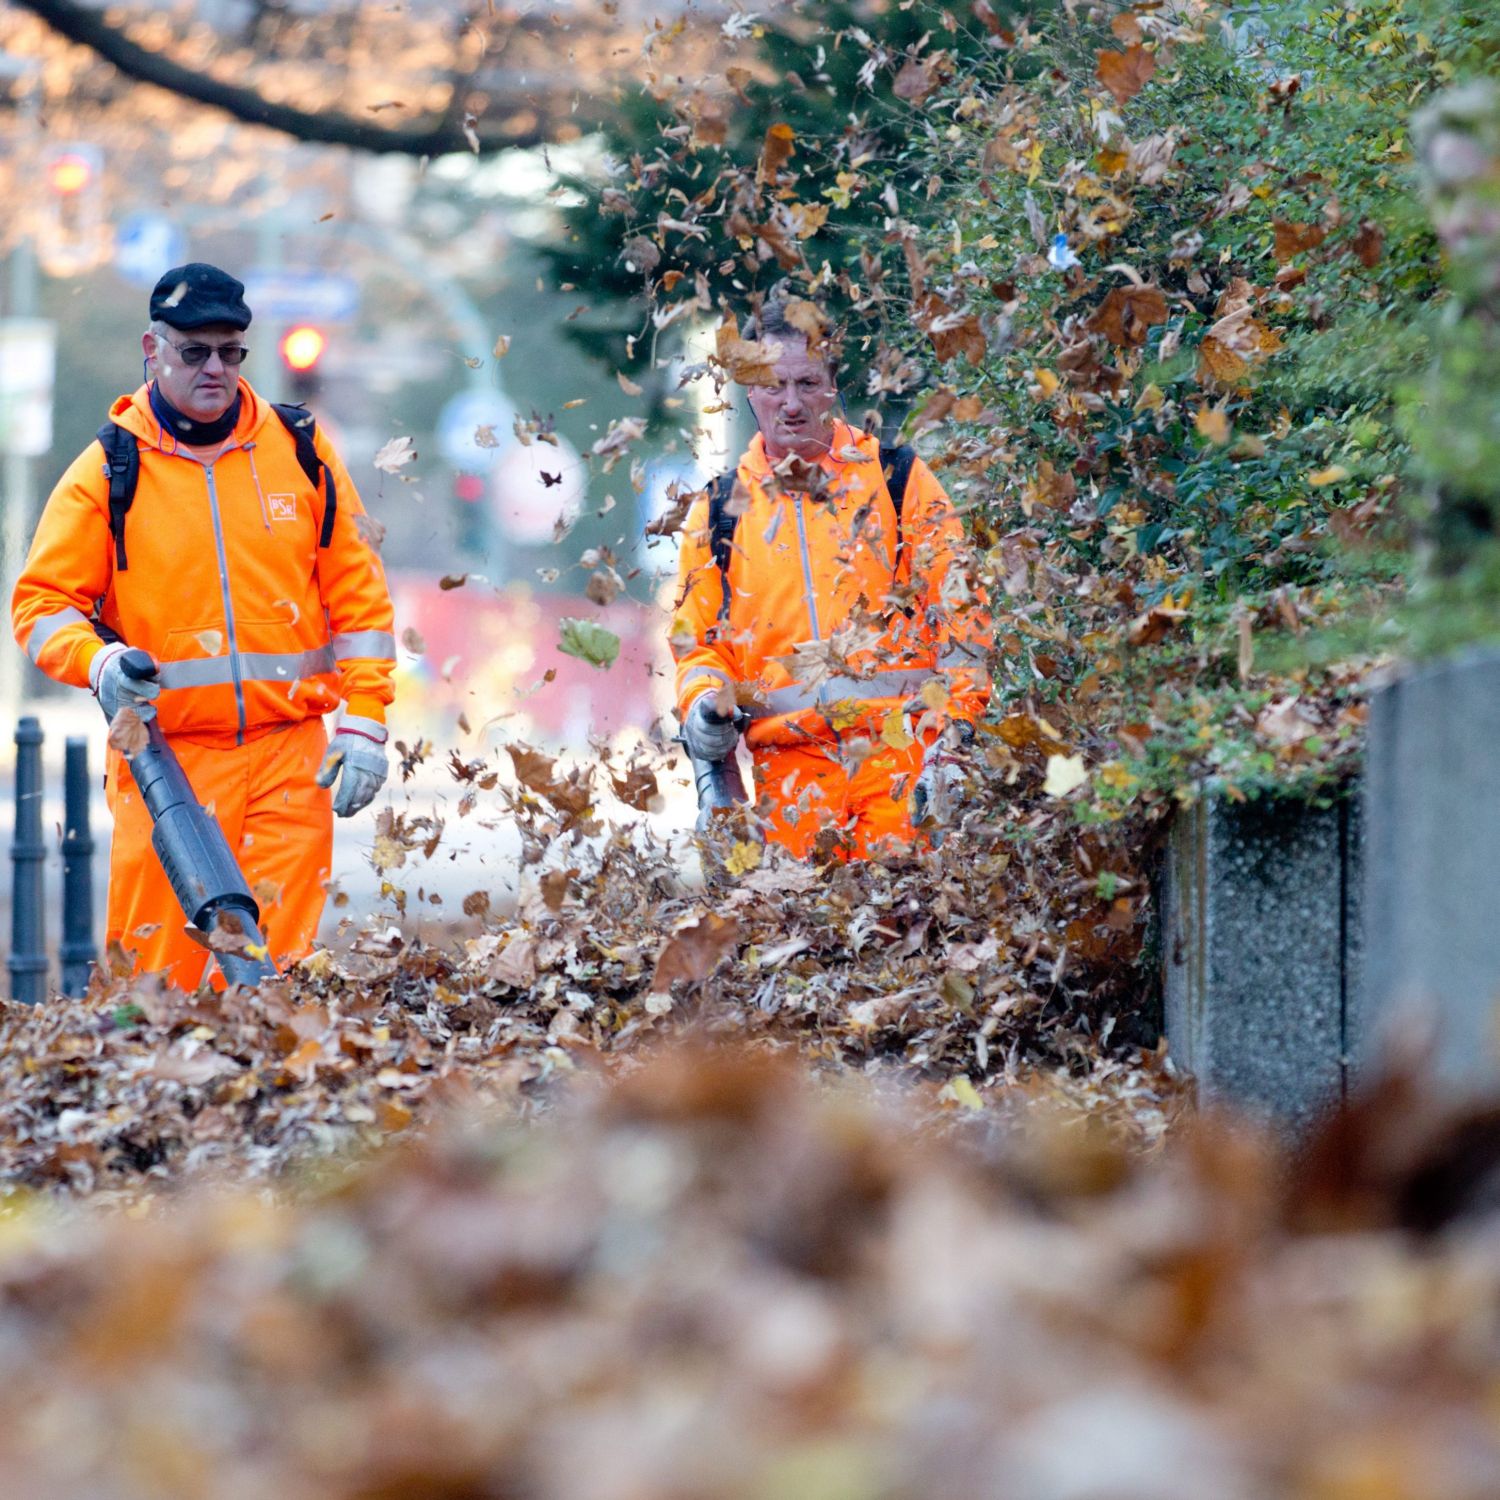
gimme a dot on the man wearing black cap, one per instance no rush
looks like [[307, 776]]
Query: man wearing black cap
[[220, 534]]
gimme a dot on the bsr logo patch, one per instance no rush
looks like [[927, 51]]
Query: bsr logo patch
[[283, 507]]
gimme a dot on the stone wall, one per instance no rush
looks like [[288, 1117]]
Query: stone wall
[[1261, 951]]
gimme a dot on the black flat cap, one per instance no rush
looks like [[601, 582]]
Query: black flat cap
[[196, 295]]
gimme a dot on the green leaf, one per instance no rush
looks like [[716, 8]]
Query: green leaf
[[589, 642]]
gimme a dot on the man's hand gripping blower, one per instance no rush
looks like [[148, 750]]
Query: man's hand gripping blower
[[194, 852], [709, 738]]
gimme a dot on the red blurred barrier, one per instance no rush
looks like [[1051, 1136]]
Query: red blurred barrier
[[487, 653]]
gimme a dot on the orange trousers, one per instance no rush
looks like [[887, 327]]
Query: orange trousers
[[279, 824], [814, 803]]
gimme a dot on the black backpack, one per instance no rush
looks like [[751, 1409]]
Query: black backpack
[[895, 464], [123, 458]]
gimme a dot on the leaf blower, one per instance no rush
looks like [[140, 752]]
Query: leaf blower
[[718, 783], [195, 854]]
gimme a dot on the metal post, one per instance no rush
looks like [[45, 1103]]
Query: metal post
[[78, 950], [28, 942]]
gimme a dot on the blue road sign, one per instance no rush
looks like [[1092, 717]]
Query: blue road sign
[[147, 244], [473, 429], [302, 296]]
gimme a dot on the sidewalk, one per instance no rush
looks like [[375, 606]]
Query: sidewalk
[[477, 852]]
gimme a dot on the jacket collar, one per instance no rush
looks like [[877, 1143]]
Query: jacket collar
[[758, 465], [134, 414]]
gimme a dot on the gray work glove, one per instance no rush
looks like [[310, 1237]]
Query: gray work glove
[[938, 787], [708, 734], [357, 760], [116, 690]]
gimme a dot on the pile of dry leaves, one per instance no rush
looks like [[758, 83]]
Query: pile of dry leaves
[[996, 966], [713, 1279]]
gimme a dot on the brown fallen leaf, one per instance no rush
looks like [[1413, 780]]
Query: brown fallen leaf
[[695, 950]]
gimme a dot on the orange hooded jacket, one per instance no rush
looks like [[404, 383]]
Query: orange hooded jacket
[[255, 625], [826, 631]]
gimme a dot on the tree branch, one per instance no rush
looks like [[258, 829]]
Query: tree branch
[[89, 29]]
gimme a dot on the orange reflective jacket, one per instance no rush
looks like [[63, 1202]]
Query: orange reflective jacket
[[829, 625], [253, 623]]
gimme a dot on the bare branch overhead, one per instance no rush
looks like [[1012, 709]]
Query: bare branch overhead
[[87, 27]]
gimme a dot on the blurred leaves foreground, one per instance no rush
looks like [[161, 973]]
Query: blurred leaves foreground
[[712, 1277], [833, 1182]]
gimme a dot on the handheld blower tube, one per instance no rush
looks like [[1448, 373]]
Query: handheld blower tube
[[194, 852]]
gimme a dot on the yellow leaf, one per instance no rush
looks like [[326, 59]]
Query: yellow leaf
[[212, 641], [844, 714], [934, 694], [961, 1091], [1150, 399], [1048, 381], [744, 857], [1065, 773], [893, 730], [1212, 424], [1331, 475]]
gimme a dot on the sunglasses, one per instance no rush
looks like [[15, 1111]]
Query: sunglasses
[[197, 354]]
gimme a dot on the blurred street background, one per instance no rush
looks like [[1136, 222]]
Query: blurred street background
[[397, 293]]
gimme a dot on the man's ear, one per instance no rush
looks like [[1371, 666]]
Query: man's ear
[[148, 346]]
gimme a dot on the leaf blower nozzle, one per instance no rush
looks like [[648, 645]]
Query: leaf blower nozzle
[[195, 854]]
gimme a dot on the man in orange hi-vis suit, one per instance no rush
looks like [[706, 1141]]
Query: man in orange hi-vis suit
[[836, 616], [222, 535]]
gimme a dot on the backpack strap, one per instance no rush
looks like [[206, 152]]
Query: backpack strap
[[304, 430], [122, 463], [896, 464], [721, 526]]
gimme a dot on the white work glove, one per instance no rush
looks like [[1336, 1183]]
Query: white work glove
[[708, 734], [358, 751], [938, 787], [115, 690]]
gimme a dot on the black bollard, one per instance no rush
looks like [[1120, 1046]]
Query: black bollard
[[78, 951], [28, 931]]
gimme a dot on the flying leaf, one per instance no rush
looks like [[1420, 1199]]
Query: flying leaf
[[1292, 239], [371, 532], [1128, 314], [212, 641], [395, 455], [750, 362], [452, 581], [780, 142], [1126, 73], [411, 640], [1065, 774], [1212, 423], [1333, 474], [127, 733], [589, 642], [502, 346]]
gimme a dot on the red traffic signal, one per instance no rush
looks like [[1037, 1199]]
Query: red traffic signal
[[69, 173], [302, 347]]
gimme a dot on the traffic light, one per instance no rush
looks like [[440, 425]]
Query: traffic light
[[302, 350], [72, 236]]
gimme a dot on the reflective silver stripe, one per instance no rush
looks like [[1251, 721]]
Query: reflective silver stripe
[[960, 656], [49, 625], [285, 666], [796, 698], [254, 666], [696, 672], [365, 643]]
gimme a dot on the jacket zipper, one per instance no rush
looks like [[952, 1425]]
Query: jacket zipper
[[234, 645]]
